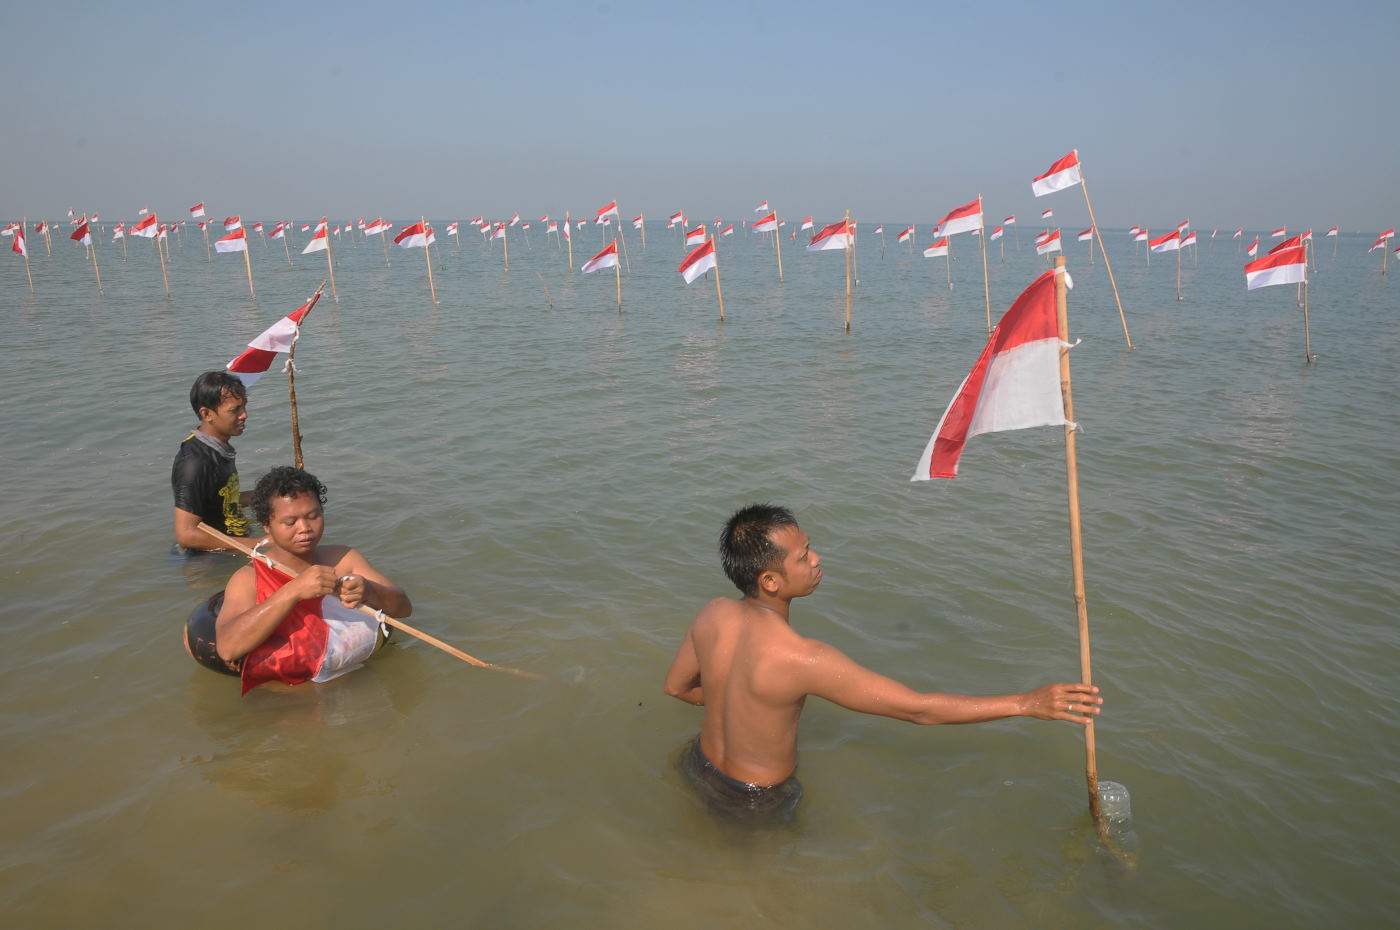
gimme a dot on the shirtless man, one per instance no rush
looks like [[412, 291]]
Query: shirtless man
[[307, 628], [743, 662]]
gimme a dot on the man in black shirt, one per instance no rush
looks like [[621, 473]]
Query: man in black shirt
[[204, 476]]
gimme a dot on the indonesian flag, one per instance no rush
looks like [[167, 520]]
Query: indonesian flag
[[552, 228], [938, 249], [321, 225], [197, 210], [376, 227], [700, 260], [1239, 232], [141, 212], [1063, 173], [278, 232], [637, 222], [1279, 233], [82, 234], [1048, 242], [318, 242], [1171, 242], [41, 226], [728, 230], [1190, 239], [1087, 235], [118, 232], [1284, 266], [1014, 385], [306, 226], [279, 337], [608, 209], [9, 229], [834, 236], [879, 231], [765, 223], [904, 236], [1141, 235], [1134, 230], [808, 224], [452, 229], [1009, 221], [232, 222], [1378, 244], [500, 232], [1253, 249], [676, 218], [606, 258], [1389, 233], [257, 227], [146, 228], [1290, 243], [761, 207], [236, 241], [18, 245], [1332, 232], [203, 224], [1046, 214], [696, 235], [164, 232], [997, 233], [567, 237], [414, 236], [962, 219], [1183, 226]]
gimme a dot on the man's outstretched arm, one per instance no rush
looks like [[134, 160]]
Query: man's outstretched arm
[[683, 679]]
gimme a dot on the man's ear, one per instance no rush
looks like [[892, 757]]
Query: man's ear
[[768, 581], [204, 414]]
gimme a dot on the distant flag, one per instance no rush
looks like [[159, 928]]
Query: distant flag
[[306, 226], [82, 234], [1048, 242], [761, 207], [767, 223], [1279, 233], [700, 260], [553, 227], [1378, 244], [808, 224], [604, 259], [18, 246], [1188, 239], [1183, 226], [938, 249], [833, 236], [879, 231], [962, 219], [376, 227], [515, 219], [1389, 233], [1015, 383], [696, 235], [146, 228], [1046, 214], [637, 222], [452, 229], [1134, 230], [1253, 249], [1009, 221], [728, 230], [1237, 233], [197, 210], [1087, 235], [1285, 266], [143, 211], [118, 232], [321, 225], [499, 232], [1333, 231], [905, 236], [608, 209], [279, 231], [1060, 175], [1141, 235], [676, 219], [1171, 242], [232, 222], [415, 236], [255, 360], [318, 243], [236, 241], [996, 233], [257, 227]]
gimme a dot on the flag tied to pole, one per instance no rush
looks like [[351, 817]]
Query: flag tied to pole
[[696, 235], [1171, 242], [1062, 174], [232, 222], [82, 234], [1280, 266], [1087, 235], [236, 241], [765, 223], [904, 236], [318, 242], [197, 210], [961, 219], [415, 236], [148, 228], [279, 337], [1253, 249], [1049, 242], [1015, 383], [938, 249], [700, 260], [833, 236], [604, 259], [18, 246], [728, 230]]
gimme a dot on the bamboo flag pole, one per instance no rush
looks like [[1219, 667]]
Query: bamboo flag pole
[[1307, 338], [855, 256], [948, 264], [429, 259], [1076, 544], [569, 237], [505, 245], [48, 245], [248, 264], [232, 543], [204, 227], [617, 273], [96, 272], [330, 270], [1084, 185], [1178, 272], [291, 377], [124, 238], [778, 240], [25, 255], [719, 295], [165, 275], [849, 242], [986, 280], [643, 228], [623, 238]]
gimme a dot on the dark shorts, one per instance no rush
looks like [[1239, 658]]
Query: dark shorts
[[200, 641], [738, 800]]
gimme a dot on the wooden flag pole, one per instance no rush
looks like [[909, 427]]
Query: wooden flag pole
[[25, 255], [617, 273], [623, 239], [1084, 185], [95, 271], [286, 248], [231, 542], [849, 243], [1307, 338], [429, 259], [208, 256], [719, 295], [291, 378], [644, 235], [1178, 272], [778, 239], [165, 275], [986, 280], [248, 264], [505, 245], [1076, 544], [948, 264], [330, 270], [855, 257], [1335, 239], [48, 244], [569, 237]]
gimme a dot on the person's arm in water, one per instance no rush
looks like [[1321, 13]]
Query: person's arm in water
[[683, 679], [825, 671]]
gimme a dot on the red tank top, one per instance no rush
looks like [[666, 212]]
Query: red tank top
[[293, 652]]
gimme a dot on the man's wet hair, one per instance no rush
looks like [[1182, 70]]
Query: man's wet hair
[[209, 390], [745, 549], [283, 481]]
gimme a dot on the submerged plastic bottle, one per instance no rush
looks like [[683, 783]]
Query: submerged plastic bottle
[[1114, 804]]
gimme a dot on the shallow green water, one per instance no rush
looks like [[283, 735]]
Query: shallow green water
[[548, 485]]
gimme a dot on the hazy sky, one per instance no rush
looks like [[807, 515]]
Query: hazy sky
[[1261, 114]]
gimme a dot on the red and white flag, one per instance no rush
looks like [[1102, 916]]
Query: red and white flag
[[118, 232], [279, 337], [1183, 226], [236, 241], [1333, 231], [938, 249], [232, 222], [608, 209], [1171, 242], [318, 242], [1048, 242], [1389, 233], [1087, 235], [1279, 233], [553, 227], [1009, 221], [996, 233], [18, 246], [41, 226], [962, 219], [1046, 214], [414, 236], [1134, 230], [728, 230], [1014, 385], [452, 229], [141, 212], [376, 227], [637, 222], [279, 231], [500, 231], [676, 219], [567, 236], [1292, 242], [879, 231], [700, 260], [765, 223], [808, 224], [82, 234], [1239, 232], [696, 235], [1285, 266], [905, 236], [1062, 174], [761, 207], [197, 210], [1141, 235], [1189, 239], [1253, 249], [146, 228], [257, 227], [606, 258], [1378, 244], [833, 236]]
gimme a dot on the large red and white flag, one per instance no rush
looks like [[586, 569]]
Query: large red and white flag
[[696, 235], [1291, 242], [904, 236], [962, 219], [146, 228], [765, 223], [1062, 174], [279, 337], [1087, 235], [414, 236], [700, 260], [1285, 266], [938, 249], [608, 209], [832, 236], [197, 210], [1015, 383], [1253, 249], [1171, 242], [232, 222], [1049, 242], [318, 242], [82, 234], [236, 241], [605, 259], [18, 246]]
